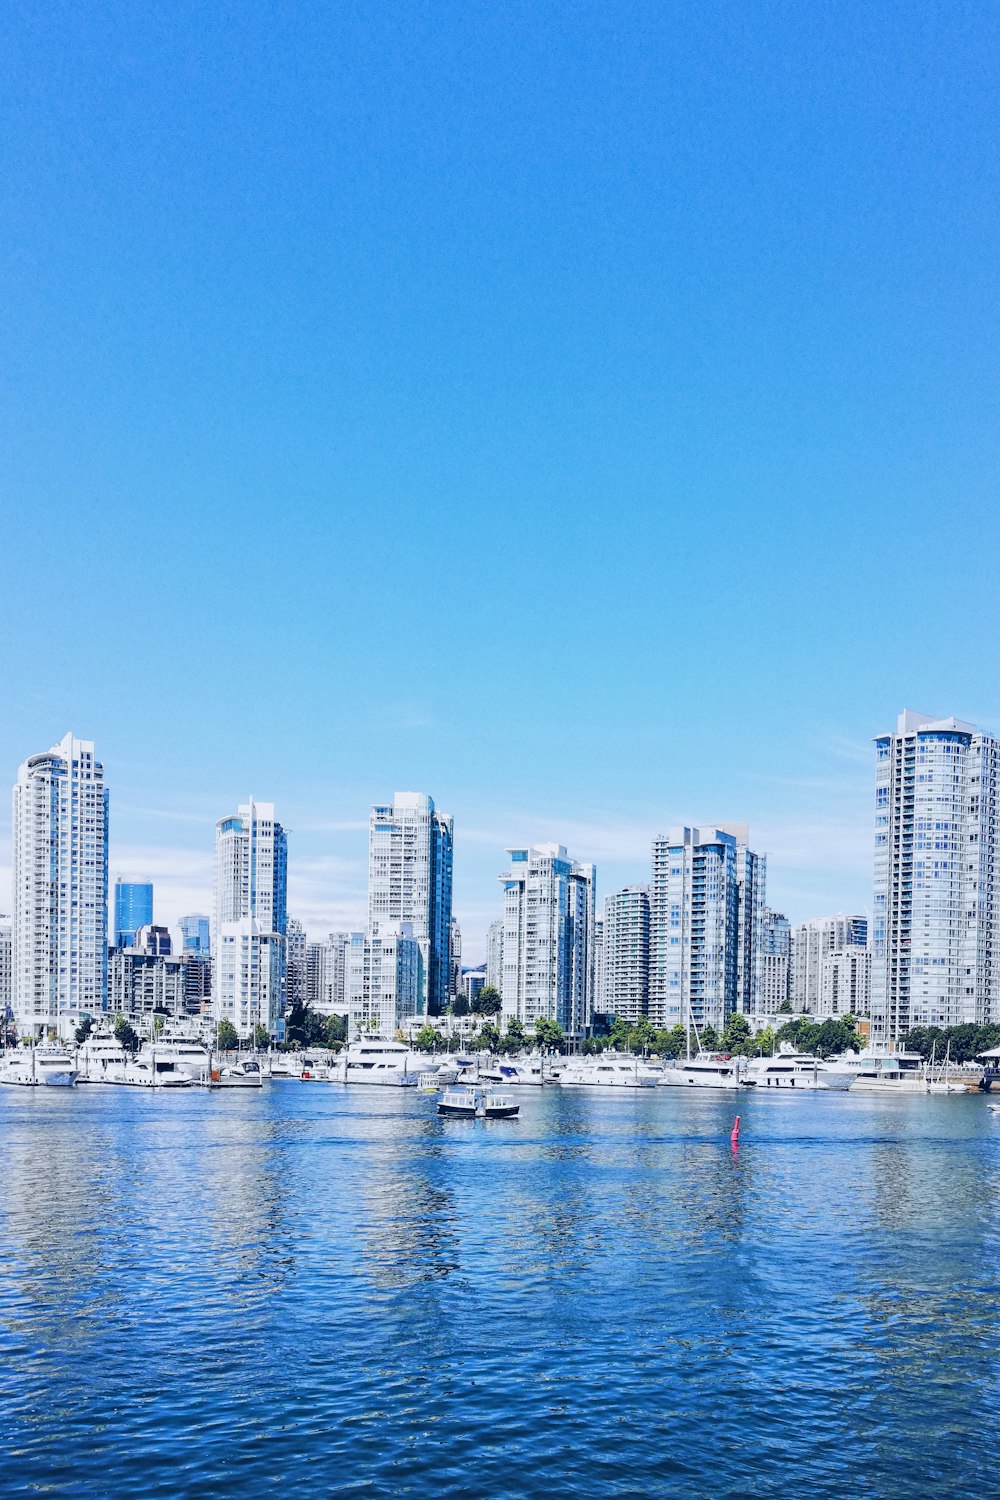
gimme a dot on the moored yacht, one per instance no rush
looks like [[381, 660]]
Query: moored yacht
[[187, 1054], [29, 1067], [100, 1058], [387, 1064], [608, 1071], [884, 1072], [789, 1069], [709, 1070]]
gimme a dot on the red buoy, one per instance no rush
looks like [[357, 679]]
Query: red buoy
[[735, 1136]]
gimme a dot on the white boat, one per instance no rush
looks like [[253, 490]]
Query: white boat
[[789, 1069], [186, 1053], [608, 1072], [100, 1058], [149, 1071], [709, 1070], [246, 1074], [32, 1067], [884, 1072], [304, 1067], [385, 1064]]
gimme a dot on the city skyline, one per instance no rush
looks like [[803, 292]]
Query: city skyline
[[819, 858]]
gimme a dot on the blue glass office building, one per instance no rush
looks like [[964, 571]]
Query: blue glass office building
[[195, 931], [133, 909]]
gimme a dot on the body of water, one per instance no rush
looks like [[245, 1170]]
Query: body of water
[[331, 1291]]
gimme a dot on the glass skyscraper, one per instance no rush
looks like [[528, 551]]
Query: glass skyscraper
[[195, 931], [409, 881], [133, 909]]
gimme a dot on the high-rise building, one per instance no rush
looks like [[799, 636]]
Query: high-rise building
[[775, 962], [598, 1006], [248, 982], [296, 987], [382, 972], [144, 984], [751, 880], [331, 972], [814, 944], [250, 919], [133, 909], [626, 953], [59, 927], [845, 982], [455, 986], [196, 934], [196, 969], [152, 939], [494, 955], [6, 973], [694, 912], [935, 932], [548, 938], [473, 982], [409, 882]]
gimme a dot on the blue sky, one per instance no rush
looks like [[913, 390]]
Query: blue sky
[[586, 414]]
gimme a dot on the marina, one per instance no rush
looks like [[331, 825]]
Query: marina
[[378, 1270]]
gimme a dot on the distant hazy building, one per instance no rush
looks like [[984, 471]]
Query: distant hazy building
[[133, 909], [494, 955], [775, 962], [473, 983], [814, 943], [625, 954], [382, 981], [332, 975], [250, 919], [936, 917], [152, 939], [296, 986], [548, 938], [59, 922], [409, 882], [196, 934]]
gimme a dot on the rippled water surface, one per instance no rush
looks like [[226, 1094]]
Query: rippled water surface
[[331, 1291]]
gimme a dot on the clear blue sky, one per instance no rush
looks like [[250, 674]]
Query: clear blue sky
[[586, 414]]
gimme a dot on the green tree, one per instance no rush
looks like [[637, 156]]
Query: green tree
[[763, 1043], [125, 1035], [460, 1006], [488, 1037], [227, 1037], [336, 1031], [785, 1008], [426, 1039], [488, 1001], [549, 1034], [514, 1037], [84, 1029], [709, 1039], [261, 1037], [737, 1036]]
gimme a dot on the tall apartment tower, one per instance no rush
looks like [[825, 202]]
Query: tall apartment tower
[[133, 909], [382, 972], [494, 955], [775, 962], [59, 923], [625, 953], [936, 919], [6, 973], [814, 945], [707, 900], [548, 938], [296, 948], [409, 882], [250, 919]]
